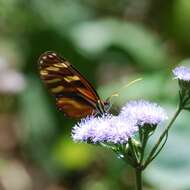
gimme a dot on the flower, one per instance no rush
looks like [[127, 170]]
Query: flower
[[182, 73], [11, 80], [144, 112], [105, 129]]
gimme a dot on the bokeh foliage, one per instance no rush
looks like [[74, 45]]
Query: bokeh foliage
[[111, 43]]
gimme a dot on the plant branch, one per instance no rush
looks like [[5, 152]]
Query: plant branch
[[138, 173], [133, 151], [149, 159]]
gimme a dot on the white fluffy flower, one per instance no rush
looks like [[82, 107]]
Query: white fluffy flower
[[182, 73], [108, 128], [144, 112]]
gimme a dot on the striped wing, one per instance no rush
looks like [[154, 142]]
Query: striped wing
[[74, 95]]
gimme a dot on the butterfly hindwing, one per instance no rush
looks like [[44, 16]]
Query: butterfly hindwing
[[74, 95]]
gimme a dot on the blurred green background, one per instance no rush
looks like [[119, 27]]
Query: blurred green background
[[112, 43]]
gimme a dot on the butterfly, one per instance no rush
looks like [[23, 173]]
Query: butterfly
[[74, 94]]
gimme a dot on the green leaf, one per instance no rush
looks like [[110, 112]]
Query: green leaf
[[141, 44]]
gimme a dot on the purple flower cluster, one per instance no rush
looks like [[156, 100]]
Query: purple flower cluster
[[118, 129], [11, 80], [144, 112], [182, 73], [110, 129]]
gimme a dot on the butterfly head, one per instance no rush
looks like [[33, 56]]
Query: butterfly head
[[107, 105], [103, 107]]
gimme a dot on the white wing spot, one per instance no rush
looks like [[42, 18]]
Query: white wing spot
[[44, 57], [41, 61], [54, 54], [50, 56]]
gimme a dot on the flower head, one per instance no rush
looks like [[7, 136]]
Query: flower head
[[11, 81], [182, 73], [110, 129], [144, 112]]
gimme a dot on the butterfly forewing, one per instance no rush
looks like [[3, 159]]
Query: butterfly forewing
[[74, 95]]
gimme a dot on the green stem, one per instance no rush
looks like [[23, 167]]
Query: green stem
[[154, 156], [138, 173], [143, 142], [149, 159], [133, 151], [143, 150]]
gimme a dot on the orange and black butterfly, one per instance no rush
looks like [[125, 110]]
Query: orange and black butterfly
[[74, 94]]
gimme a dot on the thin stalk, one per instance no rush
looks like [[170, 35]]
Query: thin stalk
[[145, 140], [140, 134], [149, 159], [154, 156], [138, 173], [133, 150]]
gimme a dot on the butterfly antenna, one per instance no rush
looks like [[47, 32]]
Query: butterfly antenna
[[132, 82], [115, 94]]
